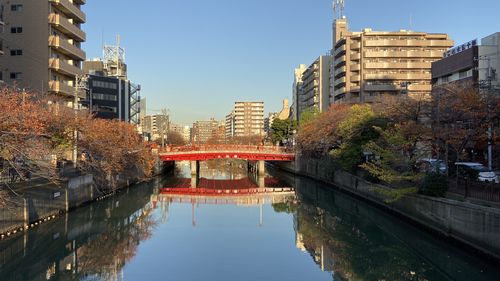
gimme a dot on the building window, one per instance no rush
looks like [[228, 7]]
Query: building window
[[16, 52], [16, 30], [16, 7], [16, 75], [98, 96], [1, 75]]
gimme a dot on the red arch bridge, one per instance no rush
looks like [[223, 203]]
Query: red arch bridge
[[258, 153]]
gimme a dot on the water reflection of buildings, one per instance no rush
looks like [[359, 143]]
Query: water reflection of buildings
[[92, 243], [355, 241]]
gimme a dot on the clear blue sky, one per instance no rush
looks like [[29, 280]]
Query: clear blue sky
[[196, 57]]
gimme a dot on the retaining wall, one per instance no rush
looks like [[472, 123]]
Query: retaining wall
[[475, 225]]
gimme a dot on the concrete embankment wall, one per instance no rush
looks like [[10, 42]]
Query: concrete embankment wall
[[475, 225], [41, 202]]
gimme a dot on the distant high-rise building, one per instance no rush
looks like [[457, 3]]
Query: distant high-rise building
[[156, 125], [296, 90], [43, 39], [203, 131], [229, 126], [314, 89], [248, 119], [369, 64]]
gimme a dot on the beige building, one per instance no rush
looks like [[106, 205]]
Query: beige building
[[315, 87], [42, 44], [205, 131], [248, 119], [296, 89], [369, 63]]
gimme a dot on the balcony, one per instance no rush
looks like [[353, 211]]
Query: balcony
[[355, 67], [61, 88], [355, 56], [339, 81], [339, 50], [399, 65], [66, 48], [64, 67], [355, 78], [63, 24], [339, 91], [409, 43], [340, 70], [356, 46], [404, 54], [69, 9], [398, 76]]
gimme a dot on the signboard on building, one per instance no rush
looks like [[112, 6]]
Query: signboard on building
[[460, 48]]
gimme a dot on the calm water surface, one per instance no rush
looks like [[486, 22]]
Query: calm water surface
[[315, 233]]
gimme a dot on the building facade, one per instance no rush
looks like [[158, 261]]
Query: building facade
[[248, 119], [314, 89], [369, 64], [296, 90], [156, 126], [472, 62], [229, 125], [113, 98], [42, 44], [204, 131]]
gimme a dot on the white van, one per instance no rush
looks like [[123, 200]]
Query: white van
[[483, 173]]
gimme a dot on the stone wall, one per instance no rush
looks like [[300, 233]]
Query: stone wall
[[475, 225]]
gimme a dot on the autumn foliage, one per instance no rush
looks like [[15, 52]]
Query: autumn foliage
[[36, 131]]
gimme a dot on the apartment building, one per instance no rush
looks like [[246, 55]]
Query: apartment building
[[42, 44], [156, 126], [368, 64], [229, 125], [314, 89], [248, 119], [205, 131]]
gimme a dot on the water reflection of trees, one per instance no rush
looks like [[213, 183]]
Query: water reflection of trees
[[353, 250], [104, 257]]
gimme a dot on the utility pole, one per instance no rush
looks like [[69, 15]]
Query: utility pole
[[488, 85], [80, 84]]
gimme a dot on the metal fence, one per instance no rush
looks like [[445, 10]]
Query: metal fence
[[475, 189]]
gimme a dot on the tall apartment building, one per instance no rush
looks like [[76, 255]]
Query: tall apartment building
[[248, 119], [229, 125], [315, 87], [369, 63], [296, 90], [155, 126], [42, 44], [203, 131]]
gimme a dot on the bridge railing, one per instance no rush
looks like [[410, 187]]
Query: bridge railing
[[225, 147]]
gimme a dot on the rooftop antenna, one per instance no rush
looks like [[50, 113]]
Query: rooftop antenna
[[338, 8]]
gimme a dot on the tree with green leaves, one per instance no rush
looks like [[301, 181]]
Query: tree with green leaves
[[282, 130], [353, 132]]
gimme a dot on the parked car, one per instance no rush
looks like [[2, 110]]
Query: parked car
[[429, 165], [477, 171]]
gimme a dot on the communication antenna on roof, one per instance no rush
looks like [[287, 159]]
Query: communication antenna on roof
[[338, 8]]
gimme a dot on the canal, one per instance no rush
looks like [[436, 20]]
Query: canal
[[230, 230]]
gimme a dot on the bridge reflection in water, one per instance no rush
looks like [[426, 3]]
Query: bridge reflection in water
[[253, 190]]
